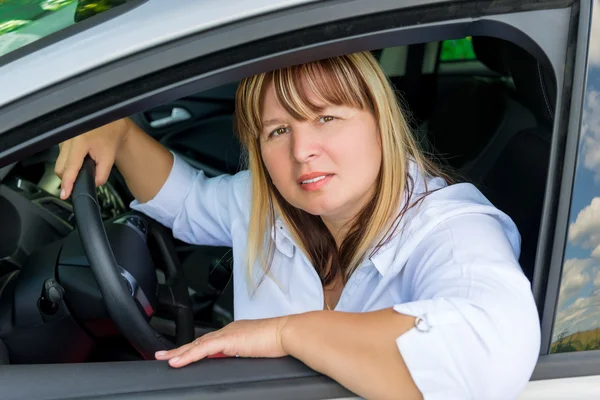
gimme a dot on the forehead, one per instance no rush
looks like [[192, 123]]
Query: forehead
[[280, 98], [292, 99]]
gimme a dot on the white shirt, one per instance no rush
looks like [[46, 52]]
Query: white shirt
[[455, 265]]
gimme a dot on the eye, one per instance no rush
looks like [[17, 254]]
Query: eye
[[326, 118], [279, 131]]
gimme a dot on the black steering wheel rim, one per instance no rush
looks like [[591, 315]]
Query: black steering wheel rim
[[120, 305]]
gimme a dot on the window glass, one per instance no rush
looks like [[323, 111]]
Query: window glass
[[393, 60], [457, 50], [25, 21], [577, 320]]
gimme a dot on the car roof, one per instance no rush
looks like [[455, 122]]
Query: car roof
[[152, 23]]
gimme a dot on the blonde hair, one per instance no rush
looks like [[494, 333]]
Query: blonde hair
[[354, 80]]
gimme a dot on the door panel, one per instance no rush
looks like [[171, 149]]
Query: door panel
[[198, 127]]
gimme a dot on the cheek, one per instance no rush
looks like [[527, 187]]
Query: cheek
[[362, 155], [277, 165]]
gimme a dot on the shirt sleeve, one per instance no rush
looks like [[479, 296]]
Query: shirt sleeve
[[199, 210], [477, 335]]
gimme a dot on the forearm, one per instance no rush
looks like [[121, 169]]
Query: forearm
[[144, 163], [358, 350]]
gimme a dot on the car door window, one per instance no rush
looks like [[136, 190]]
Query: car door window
[[25, 21], [577, 322]]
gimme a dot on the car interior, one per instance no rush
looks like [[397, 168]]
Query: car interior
[[488, 120]]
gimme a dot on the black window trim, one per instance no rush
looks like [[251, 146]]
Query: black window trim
[[41, 135]]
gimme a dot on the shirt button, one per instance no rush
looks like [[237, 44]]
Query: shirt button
[[422, 324]]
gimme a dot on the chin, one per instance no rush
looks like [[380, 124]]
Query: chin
[[321, 209], [321, 204]]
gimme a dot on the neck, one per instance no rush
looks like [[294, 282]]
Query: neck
[[338, 228]]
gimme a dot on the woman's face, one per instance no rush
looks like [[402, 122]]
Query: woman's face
[[327, 166]]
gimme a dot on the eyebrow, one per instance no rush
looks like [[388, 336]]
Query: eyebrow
[[274, 121]]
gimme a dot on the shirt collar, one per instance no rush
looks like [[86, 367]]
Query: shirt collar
[[283, 239], [382, 259]]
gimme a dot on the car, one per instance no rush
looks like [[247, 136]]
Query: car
[[504, 94]]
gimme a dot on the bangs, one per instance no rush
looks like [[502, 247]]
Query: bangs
[[303, 91]]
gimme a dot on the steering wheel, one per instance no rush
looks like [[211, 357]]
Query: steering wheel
[[119, 297]]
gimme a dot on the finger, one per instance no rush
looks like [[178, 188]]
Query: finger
[[104, 165], [73, 164], [202, 350], [168, 354], [59, 167]]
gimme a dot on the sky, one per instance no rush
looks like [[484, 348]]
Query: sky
[[579, 298]]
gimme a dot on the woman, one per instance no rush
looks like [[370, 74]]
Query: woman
[[352, 252]]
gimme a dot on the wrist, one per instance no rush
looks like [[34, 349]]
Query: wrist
[[283, 332], [291, 330]]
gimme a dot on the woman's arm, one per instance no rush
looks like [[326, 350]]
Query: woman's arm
[[198, 209], [358, 350], [144, 163]]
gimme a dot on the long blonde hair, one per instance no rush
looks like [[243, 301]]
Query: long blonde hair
[[354, 80]]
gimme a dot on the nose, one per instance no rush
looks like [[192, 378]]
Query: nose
[[305, 144]]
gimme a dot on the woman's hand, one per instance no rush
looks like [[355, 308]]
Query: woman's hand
[[246, 338], [102, 144]]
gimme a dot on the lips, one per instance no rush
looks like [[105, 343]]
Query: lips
[[314, 181], [312, 176]]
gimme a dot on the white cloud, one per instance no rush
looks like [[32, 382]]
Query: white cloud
[[575, 276], [591, 133], [585, 231], [597, 279], [582, 315]]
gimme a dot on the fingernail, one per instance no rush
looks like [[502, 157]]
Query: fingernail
[[62, 193], [160, 353], [174, 360]]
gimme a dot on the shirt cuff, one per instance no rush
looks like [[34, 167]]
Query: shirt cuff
[[169, 200], [425, 349]]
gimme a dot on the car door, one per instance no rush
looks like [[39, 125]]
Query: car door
[[164, 76], [570, 363]]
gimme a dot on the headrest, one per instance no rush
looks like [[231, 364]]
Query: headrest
[[490, 51], [461, 128], [534, 81]]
